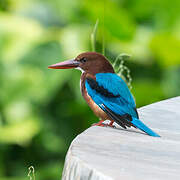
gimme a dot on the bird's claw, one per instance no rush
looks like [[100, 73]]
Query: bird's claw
[[104, 125]]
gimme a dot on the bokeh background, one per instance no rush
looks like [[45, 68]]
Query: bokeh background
[[41, 110]]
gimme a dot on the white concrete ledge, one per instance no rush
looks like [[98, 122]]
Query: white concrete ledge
[[101, 153]]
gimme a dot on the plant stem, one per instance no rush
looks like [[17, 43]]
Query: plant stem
[[93, 36]]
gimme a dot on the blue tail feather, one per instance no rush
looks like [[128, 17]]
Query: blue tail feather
[[139, 124]]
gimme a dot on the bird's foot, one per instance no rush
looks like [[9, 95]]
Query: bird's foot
[[100, 123], [111, 124]]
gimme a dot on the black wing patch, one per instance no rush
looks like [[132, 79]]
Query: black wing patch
[[100, 89], [123, 120], [136, 113]]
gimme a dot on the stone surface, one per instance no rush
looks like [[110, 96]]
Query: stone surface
[[103, 153]]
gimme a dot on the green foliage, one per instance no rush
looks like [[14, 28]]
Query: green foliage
[[121, 69], [42, 110], [93, 36]]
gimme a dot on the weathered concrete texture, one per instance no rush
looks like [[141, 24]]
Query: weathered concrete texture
[[114, 154]]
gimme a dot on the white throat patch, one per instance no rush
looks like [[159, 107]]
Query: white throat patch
[[80, 69]]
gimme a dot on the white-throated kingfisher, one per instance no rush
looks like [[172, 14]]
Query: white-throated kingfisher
[[105, 92]]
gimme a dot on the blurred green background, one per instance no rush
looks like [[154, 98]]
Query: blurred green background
[[41, 110]]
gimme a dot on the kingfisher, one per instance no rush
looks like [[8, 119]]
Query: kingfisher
[[105, 92]]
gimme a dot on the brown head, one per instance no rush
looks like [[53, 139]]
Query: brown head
[[90, 62]]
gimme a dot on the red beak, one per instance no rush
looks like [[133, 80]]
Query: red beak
[[65, 65]]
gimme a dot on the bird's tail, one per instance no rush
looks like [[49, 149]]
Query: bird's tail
[[139, 124]]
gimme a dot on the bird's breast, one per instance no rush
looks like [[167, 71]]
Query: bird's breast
[[95, 108]]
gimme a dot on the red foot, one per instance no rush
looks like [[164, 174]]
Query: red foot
[[100, 123], [111, 124]]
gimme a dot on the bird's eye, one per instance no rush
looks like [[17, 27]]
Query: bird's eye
[[83, 60]]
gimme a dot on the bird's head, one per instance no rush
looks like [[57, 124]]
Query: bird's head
[[90, 62]]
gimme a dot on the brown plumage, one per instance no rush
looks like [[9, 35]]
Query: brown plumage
[[95, 108], [95, 63]]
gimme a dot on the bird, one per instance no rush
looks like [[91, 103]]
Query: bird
[[105, 92]]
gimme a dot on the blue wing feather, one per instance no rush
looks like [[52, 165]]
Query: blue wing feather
[[114, 84], [122, 104]]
